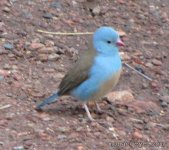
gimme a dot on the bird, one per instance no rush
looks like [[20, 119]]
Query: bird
[[95, 73]]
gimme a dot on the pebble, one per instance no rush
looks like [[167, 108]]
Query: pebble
[[61, 137], [19, 148], [49, 43], [35, 46], [53, 57], [137, 135], [145, 107], [63, 129], [7, 67], [96, 10], [55, 4], [1, 77], [149, 65], [48, 16], [8, 46], [49, 70], [46, 50], [164, 104], [165, 99], [156, 62], [125, 56], [120, 96], [43, 57], [6, 9]]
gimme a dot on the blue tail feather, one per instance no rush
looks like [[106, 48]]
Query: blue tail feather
[[47, 101]]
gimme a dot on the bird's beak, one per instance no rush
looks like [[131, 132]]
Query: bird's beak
[[120, 43]]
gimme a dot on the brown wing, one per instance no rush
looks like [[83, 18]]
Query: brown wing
[[77, 74]]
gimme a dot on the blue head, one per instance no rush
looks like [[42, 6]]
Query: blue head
[[106, 41]]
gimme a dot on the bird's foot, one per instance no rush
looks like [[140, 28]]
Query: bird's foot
[[99, 110], [88, 112]]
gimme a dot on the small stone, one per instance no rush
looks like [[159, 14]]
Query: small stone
[[137, 135], [80, 147], [7, 67], [61, 137], [165, 99], [46, 50], [49, 43], [4, 73], [144, 85], [43, 57], [37, 94], [63, 129], [149, 65], [48, 16], [78, 129], [164, 104], [53, 57], [96, 10], [55, 4], [19, 148], [49, 70], [125, 56], [59, 76], [1, 77], [144, 107], [8, 46], [6, 9], [156, 62], [120, 96], [35, 46]]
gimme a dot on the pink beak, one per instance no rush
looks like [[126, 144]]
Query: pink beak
[[120, 43]]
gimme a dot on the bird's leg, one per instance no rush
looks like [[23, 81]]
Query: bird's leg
[[98, 108], [88, 112]]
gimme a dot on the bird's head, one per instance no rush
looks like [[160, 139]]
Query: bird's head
[[106, 40]]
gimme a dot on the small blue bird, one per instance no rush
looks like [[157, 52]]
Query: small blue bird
[[95, 73]]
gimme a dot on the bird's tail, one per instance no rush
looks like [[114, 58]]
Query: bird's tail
[[47, 101]]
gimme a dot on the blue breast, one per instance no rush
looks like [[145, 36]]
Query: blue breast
[[104, 67]]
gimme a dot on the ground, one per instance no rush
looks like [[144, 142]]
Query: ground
[[32, 65]]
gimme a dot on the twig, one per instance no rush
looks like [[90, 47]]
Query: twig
[[65, 33], [143, 75], [5, 106]]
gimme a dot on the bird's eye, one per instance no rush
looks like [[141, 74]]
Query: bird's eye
[[109, 42]]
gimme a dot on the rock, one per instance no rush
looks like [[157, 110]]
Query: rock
[[8, 46], [124, 56], [59, 76], [53, 57], [164, 104], [165, 99], [96, 10], [144, 107], [35, 46], [7, 67], [55, 4], [49, 43], [48, 16], [46, 50], [49, 70], [43, 57], [19, 148], [123, 96], [149, 65], [4, 73], [6, 9], [63, 129], [156, 62], [137, 135], [1, 77], [122, 33], [61, 137]]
